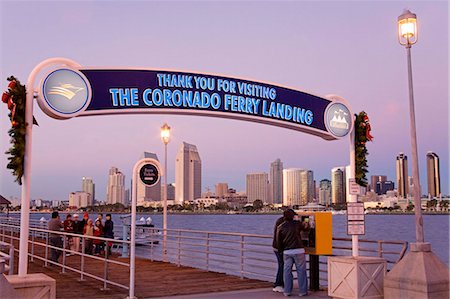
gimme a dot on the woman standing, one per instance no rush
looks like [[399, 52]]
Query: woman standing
[[88, 231], [98, 232]]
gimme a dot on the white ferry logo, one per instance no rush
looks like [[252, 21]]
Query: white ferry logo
[[66, 90], [339, 120], [66, 93]]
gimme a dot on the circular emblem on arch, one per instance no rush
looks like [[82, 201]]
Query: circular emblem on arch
[[149, 174], [64, 93], [338, 119]]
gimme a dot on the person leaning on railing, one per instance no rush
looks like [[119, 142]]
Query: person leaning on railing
[[55, 239], [278, 285]]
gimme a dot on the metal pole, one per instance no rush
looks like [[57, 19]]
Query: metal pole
[[133, 233], [353, 198], [415, 162], [165, 206]]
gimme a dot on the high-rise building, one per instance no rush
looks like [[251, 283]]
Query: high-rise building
[[292, 187], [79, 199], [88, 186], [384, 187], [188, 174], [221, 189], [325, 192], [115, 192], [276, 181], [338, 185], [433, 175], [402, 175], [257, 187], [146, 193], [307, 186], [374, 179], [170, 191]]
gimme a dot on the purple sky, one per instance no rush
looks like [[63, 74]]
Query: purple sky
[[344, 48]]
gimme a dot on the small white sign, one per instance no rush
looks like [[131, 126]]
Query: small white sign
[[354, 188], [356, 228]]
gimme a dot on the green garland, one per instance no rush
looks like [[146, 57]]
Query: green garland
[[15, 98], [362, 136]]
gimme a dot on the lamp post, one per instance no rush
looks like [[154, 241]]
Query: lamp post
[[407, 36], [165, 137]]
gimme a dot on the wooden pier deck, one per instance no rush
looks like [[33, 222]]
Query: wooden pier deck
[[153, 279]]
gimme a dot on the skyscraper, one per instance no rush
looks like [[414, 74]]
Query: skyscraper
[[88, 186], [292, 187], [374, 179], [115, 192], [433, 175], [145, 193], [402, 175], [307, 186], [221, 189], [325, 192], [188, 174], [338, 184], [257, 187], [276, 181]]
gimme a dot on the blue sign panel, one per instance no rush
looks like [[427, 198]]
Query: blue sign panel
[[109, 91]]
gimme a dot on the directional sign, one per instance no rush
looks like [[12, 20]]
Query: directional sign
[[355, 218], [355, 188]]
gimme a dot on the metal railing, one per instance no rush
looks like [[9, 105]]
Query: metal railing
[[243, 255], [41, 247], [247, 255]]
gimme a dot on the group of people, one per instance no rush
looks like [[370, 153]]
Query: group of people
[[289, 250], [85, 227]]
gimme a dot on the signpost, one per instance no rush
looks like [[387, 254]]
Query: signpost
[[354, 187], [355, 218]]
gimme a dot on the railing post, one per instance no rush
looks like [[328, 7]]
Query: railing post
[[242, 256], [11, 259], [207, 251], [105, 271], [64, 255], [33, 233], [83, 252], [46, 250], [380, 248], [179, 248]]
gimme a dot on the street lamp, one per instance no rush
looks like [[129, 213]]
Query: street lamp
[[165, 137], [407, 36]]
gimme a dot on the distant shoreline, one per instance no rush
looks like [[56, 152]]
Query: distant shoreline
[[223, 213]]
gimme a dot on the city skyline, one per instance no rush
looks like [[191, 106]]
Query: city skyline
[[233, 148]]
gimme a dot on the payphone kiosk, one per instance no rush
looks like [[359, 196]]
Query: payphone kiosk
[[317, 240]]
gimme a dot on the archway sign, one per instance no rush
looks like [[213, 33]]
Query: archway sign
[[69, 90]]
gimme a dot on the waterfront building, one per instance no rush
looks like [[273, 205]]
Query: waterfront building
[[257, 187], [292, 187], [307, 186], [88, 186], [171, 191], [276, 181], [325, 192], [146, 193], [79, 199], [338, 185], [221, 189], [402, 175], [115, 192], [374, 179], [188, 174], [383, 187], [433, 175]]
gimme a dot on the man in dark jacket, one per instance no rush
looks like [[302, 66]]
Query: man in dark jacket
[[108, 231], [278, 285], [290, 242]]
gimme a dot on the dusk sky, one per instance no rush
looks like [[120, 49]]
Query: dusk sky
[[344, 48]]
